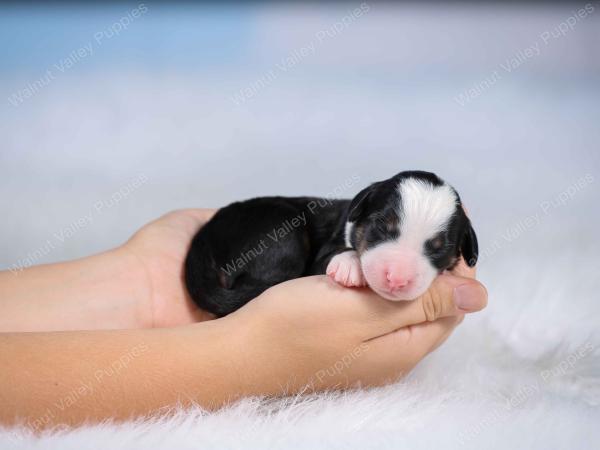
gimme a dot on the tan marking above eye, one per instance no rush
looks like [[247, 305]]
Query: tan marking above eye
[[391, 224], [437, 243]]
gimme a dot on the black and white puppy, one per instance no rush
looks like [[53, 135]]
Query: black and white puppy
[[395, 236]]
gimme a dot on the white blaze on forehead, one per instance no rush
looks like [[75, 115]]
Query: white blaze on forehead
[[424, 209]]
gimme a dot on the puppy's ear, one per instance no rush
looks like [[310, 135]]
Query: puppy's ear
[[469, 246], [358, 203]]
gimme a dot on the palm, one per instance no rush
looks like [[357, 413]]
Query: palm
[[161, 247]]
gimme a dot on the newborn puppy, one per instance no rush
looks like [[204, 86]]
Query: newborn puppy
[[395, 236]]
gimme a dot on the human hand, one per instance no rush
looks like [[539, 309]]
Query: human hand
[[159, 250], [308, 332], [313, 332]]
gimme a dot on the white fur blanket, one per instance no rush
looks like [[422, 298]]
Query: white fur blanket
[[523, 374]]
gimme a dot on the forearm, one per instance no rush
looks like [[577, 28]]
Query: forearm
[[71, 377], [303, 333], [88, 293]]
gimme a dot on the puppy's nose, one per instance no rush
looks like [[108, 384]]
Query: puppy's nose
[[397, 280]]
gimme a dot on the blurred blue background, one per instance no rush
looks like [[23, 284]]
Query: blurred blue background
[[113, 114]]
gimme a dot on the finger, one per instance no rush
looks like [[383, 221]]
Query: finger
[[426, 337], [447, 296], [201, 215], [402, 349], [442, 339], [413, 335], [463, 270], [186, 219]]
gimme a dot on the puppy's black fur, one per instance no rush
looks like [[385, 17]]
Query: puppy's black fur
[[250, 246]]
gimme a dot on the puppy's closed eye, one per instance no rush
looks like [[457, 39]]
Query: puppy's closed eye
[[437, 243], [386, 223]]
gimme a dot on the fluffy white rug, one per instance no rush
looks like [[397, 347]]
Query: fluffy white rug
[[525, 374]]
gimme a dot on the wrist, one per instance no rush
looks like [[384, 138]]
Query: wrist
[[129, 280], [215, 362], [262, 360]]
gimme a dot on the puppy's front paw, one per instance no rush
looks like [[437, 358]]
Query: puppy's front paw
[[345, 269]]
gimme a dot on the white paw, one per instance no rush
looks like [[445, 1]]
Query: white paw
[[345, 269]]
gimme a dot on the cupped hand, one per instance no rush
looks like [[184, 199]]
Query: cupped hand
[[311, 332], [158, 251]]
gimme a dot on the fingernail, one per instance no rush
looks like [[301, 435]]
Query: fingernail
[[469, 297]]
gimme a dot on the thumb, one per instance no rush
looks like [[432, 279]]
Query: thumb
[[447, 296]]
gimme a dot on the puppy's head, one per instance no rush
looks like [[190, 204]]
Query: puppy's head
[[407, 230]]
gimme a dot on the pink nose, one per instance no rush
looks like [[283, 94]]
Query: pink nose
[[397, 281]]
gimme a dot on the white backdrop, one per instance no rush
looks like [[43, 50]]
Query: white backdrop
[[378, 96]]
